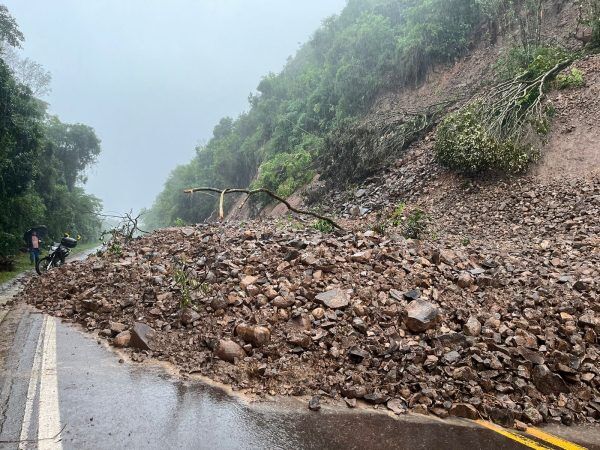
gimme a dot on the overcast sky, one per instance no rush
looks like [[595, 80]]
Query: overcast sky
[[153, 77]]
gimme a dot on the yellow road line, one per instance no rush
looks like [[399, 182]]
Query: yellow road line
[[554, 440], [515, 437]]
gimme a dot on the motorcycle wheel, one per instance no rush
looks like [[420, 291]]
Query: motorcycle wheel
[[43, 265]]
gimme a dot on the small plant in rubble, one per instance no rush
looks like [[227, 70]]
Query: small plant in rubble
[[115, 248], [415, 224], [398, 215], [186, 283], [323, 226], [179, 222]]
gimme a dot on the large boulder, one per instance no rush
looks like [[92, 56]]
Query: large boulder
[[421, 315], [141, 336], [123, 339], [334, 298], [229, 351], [255, 335], [548, 382]]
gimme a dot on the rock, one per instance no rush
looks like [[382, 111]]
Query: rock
[[357, 355], [334, 299], [412, 295], [282, 302], [531, 356], [451, 357], [464, 373], [117, 327], [582, 286], [362, 257], [248, 281], [299, 339], [229, 351], [547, 382], [502, 416], [314, 403], [270, 293], [590, 320], [464, 410], [141, 336], [188, 316], [350, 402], [354, 391], [465, 280], [359, 325], [360, 193], [396, 405], [520, 425], [255, 335], [472, 327], [301, 322], [440, 412], [532, 415], [421, 316], [283, 266], [376, 398], [318, 313], [122, 339]]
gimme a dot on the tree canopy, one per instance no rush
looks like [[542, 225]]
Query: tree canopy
[[42, 162]]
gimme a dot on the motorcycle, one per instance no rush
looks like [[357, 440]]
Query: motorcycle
[[56, 257]]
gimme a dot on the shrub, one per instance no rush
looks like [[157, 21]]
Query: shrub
[[573, 79], [529, 64], [9, 244], [415, 224], [323, 226], [285, 173], [464, 145]]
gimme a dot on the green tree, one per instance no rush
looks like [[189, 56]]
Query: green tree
[[76, 146], [9, 30]]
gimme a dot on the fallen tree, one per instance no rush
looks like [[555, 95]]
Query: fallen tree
[[497, 130], [509, 106], [251, 192]]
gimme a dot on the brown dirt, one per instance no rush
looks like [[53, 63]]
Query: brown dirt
[[573, 147]]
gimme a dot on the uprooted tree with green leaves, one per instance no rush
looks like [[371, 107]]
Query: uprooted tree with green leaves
[[494, 130]]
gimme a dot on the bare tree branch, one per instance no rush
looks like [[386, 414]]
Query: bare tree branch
[[250, 192]]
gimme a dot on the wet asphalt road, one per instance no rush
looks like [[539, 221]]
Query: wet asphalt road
[[97, 403]]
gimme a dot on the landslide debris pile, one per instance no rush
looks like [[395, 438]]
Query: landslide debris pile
[[395, 322]]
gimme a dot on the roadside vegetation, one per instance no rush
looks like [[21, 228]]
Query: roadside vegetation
[[42, 160]]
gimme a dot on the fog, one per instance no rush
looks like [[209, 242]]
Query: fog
[[154, 77]]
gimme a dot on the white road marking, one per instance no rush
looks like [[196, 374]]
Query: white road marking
[[49, 412], [32, 390]]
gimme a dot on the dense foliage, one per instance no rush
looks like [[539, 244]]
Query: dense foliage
[[464, 144], [41, 162], [371, 46]]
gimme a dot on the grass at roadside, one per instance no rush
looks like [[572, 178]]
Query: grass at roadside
[[22, 263]]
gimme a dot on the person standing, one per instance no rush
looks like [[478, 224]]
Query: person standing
[[34, 254]]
